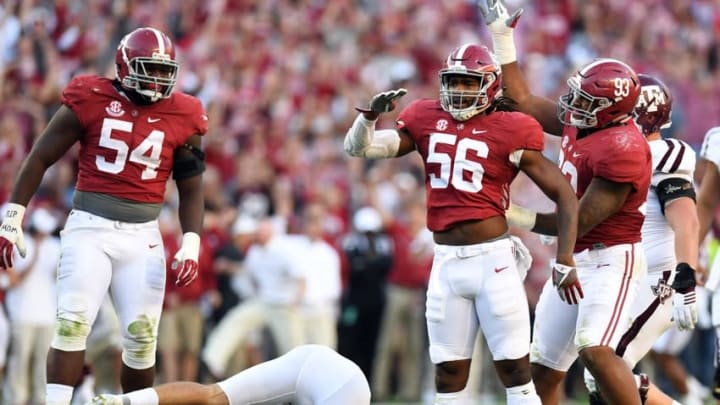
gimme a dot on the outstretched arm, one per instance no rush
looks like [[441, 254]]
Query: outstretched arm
[[362, 140], [601, 199], [502, 26], [551, 181]]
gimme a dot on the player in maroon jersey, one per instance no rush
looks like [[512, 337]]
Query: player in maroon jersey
[[133, 133], [608, 162], [472, 146]]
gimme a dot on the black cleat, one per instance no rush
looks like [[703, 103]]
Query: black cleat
[[595, 398]]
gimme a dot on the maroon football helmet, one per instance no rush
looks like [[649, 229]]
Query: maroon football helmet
[[602, 93], [145, 63], [652, 112], [474, 61]]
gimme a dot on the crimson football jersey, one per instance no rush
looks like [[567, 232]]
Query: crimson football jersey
[[467, 163], [619, 154], [126, 150]]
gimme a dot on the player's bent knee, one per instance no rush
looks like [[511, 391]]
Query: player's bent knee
[[71, 332], [452, 376], [139, 343], [596, 356], [513, 372]]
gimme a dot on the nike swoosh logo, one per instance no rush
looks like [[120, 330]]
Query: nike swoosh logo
[[576, 154], [602, 265], [153, 245], [475, 131], [151, 120], [499, 269]]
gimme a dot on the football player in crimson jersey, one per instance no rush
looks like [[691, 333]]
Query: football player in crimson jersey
[[608, 162], [133, 133], [472, 146], [669, 239]]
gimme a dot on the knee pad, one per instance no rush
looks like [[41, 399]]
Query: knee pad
[[139, 343], [71, 332]]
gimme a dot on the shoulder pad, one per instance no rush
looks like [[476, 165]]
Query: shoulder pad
[[672, 156]]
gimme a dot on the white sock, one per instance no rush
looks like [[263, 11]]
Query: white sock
[[147, 396], [522, 395], [446, 398], [58, 394]]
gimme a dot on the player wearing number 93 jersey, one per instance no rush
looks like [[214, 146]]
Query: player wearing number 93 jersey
[[134, 132], [472, 145], [608, 163]]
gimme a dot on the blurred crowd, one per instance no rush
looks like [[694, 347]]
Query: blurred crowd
[[279, 79]]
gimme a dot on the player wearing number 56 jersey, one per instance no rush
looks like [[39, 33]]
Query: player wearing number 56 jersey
[[134, 132], [472, 146]]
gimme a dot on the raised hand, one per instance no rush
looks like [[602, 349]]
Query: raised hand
[[495, 11], [383, 102]]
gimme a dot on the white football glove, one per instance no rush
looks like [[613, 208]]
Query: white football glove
[[520, 217], [684, 303], [383, 102], [565, 280], [523, 258], [11, 234], [185, 262], [501, 26]]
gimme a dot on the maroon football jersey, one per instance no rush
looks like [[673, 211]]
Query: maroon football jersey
[[467, 163], [619, 154], [126, 150]]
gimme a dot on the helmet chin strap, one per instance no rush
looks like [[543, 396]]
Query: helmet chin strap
[[152, 95]]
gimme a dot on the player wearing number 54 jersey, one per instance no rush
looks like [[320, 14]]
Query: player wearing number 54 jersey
[[134, 132], [472, 146]]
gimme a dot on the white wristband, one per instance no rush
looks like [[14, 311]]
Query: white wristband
[[521, 217], [14, 214], [503, 44], [191, 244]]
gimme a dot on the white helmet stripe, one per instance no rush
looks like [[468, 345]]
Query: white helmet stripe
[[458, 56], [161, 43]]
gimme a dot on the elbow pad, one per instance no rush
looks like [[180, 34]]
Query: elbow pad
[[362, 140], [186, 166]]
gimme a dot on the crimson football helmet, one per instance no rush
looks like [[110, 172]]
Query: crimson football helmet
[[145, 63], [602, 93], [652, 112], [474, 61]]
